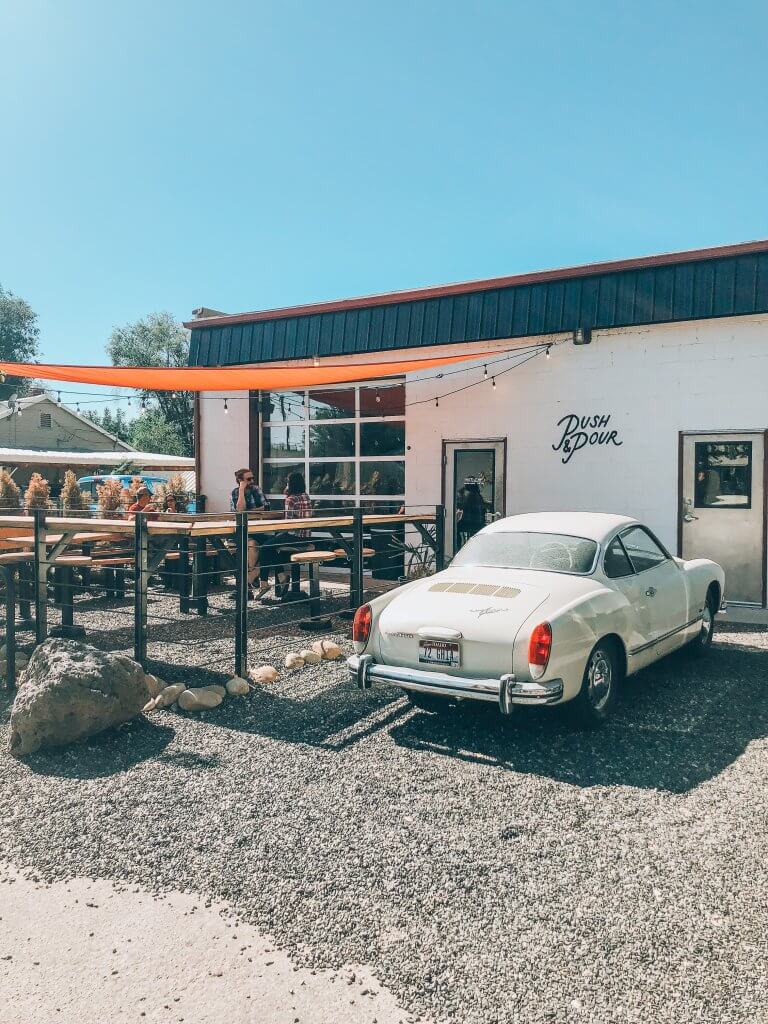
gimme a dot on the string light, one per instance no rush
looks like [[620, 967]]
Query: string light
[[77, 407], [58, 399], [315, 361], [548, 348], [18, 411], [485, 371], [378, 397], [226, 408], [143, 403], [493, 381], [129, 401], [437, 403]]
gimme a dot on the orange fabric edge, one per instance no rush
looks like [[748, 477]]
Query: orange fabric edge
[[229, 378]]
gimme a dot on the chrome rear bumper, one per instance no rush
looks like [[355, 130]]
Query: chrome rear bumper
[[506, 690]]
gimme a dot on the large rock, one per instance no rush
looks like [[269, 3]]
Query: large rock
[[71, 691]]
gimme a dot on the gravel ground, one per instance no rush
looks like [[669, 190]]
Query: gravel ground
[[487, 870]]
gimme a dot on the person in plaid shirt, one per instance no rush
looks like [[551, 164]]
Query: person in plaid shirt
[[297, 503]]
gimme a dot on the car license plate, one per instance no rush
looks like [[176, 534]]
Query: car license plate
[[439, 652]]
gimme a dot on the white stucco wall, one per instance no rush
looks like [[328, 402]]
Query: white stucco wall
[[652, 382], [223, 445]]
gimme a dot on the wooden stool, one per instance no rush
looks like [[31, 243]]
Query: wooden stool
[[313, 560], [341, 553]]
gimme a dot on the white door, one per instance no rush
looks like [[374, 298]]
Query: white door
[[472, 468], [723, 508]]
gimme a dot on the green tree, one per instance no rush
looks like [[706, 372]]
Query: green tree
[[152, 432], [116, 422], [158, 340], [19, 338]]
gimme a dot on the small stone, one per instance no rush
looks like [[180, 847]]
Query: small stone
[[294, 661]]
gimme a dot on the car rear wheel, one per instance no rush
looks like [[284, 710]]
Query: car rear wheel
[[426, 702], [703, 639], [599, 686]]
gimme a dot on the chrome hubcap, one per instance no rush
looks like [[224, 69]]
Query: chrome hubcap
[[706, 623], [599, 679]]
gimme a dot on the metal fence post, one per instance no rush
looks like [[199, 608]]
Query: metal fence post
[[439, 538], [141, 553], [356, 567], [41, 577], [9, 573], [241, 594]]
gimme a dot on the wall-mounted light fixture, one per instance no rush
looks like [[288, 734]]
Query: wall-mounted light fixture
[[582, 336]]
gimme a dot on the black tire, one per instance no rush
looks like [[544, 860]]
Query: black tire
[[599, 687], [703, 640], [426, 702]]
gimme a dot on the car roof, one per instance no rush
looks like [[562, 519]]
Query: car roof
[[592, 525]]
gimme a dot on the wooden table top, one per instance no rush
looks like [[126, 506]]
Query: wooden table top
[[93, 530]]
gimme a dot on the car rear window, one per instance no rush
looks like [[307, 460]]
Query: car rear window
[[552, 552]]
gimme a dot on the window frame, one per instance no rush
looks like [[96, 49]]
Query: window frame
[[731, 506], [633, 570], [656, 541], [356, 419]]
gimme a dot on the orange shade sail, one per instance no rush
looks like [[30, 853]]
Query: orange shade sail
[[229, 378]]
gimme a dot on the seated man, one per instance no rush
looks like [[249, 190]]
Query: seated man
[[143, 503], [247, 496]]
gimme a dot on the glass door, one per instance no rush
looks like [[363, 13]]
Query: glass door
[[474, 487]]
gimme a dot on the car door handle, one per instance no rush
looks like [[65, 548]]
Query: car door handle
[[650, 592]]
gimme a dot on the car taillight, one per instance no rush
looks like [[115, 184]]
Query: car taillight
[[539, 649], [361, 626]]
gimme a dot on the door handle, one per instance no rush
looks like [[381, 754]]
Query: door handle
[[689, 518], [650, 592]]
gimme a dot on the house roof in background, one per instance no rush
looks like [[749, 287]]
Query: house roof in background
[[729, 280], [6, 412]]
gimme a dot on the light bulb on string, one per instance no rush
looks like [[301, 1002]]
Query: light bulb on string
[[18, 411], [129, 401], [378, 397], [493, 382], [437, 403], [58, 399], [226, 407], [547, 352], [143, 403], [315, 361], [77, 407], [485, 371]]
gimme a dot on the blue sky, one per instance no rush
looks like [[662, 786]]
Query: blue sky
[[162, 155]]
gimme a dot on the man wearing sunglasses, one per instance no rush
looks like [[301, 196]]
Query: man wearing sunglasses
[[247, 496]]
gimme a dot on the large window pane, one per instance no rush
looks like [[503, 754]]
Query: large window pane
[[332, 405], [382, 438], [275, 474], [332, 440], [282, 406], [387, 400], [332, 478], [283, 442], [382, 477], [723, 474]]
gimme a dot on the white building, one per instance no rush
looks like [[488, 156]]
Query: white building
[[652, 401]]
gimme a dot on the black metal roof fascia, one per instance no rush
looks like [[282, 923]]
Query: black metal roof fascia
[[728, 286]]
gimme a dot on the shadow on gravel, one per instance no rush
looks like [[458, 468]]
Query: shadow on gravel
[[109, 753], [677, 725], [334, 718]]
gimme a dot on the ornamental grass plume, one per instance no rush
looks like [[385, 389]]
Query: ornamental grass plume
[[38, 492], [110, 498], [10, 495], [133, 488], [72, 498]]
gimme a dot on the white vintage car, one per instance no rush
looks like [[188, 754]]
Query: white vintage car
[[542, 608]]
